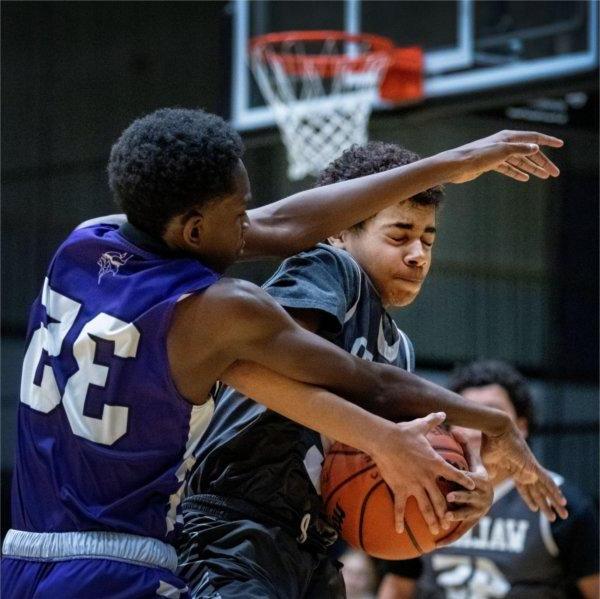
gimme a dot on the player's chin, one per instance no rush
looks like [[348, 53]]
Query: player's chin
[[401, 294]]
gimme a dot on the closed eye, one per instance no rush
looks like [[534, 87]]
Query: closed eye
[[396, 239]]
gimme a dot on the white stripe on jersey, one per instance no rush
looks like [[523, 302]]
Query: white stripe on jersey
[[199, 420], [168, 590], [407, 349]]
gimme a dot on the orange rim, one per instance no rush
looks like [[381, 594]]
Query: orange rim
[[266, 47]]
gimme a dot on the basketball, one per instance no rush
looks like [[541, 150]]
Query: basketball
[[360, 505]]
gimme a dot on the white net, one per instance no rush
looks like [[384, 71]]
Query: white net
[[321, 106]]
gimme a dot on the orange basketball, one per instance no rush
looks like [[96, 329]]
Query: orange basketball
[[360, 505]]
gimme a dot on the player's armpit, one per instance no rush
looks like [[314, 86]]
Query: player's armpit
[[311, 320]]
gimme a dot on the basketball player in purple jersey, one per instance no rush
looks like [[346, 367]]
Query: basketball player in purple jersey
[[134, 325]]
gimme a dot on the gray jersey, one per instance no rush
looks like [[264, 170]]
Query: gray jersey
[[514, 553], [253, 454]]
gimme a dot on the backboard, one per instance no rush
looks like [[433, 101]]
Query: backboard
[[469, 46]]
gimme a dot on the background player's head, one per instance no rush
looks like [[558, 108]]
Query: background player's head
[[498, 385], [393, 246], [177, 174]]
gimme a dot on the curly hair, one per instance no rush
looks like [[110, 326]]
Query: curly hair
[[496, 372], [169, 161], [375, 157]]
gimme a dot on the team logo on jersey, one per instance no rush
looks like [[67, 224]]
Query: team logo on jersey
[[111, 262]]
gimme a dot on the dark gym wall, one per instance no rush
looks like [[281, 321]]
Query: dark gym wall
[[74, 74]]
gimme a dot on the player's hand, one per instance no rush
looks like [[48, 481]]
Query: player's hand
[[468, 506], [515, 154], [410, 466], [509, 451]]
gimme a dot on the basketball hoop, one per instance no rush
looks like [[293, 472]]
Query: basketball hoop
[[321, 86]]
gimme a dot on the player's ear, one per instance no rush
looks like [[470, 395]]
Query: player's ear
[[339, 240], [193, 228]]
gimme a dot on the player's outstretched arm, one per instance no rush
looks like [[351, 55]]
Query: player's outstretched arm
[[402, 452], [301, 220]]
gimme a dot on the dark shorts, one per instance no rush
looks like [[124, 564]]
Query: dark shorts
[[241, 558], [87, 578]]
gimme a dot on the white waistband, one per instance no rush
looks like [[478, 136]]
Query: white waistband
[[59, 546]]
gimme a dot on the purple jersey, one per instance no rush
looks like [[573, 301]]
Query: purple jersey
[[105, 440]]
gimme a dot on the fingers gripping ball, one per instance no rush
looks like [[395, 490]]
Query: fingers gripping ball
[[360, 505]]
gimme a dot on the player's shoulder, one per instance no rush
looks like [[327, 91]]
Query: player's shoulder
[[322, 259], [230, 297], [115, 220], [331, 253], [227, 312], [89, 232], [232, 289], [84, 243]]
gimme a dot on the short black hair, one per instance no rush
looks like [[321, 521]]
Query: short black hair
[[169, 161], [375, 157], [495, 372]]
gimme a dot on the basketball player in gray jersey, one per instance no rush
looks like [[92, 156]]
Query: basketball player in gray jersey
[[512, 552], [252, 524]]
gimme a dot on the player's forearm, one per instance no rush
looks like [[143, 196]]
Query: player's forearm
[[272, 339], [309, 406], [303, 219], [402, 395]]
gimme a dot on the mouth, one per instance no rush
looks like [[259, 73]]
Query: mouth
[[418, 280]]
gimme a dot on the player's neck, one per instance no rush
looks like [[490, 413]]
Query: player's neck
[[145, 241]]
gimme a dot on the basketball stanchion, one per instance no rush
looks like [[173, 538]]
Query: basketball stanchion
[[321, 86]]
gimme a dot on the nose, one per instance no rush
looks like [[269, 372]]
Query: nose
[[415, 255]]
